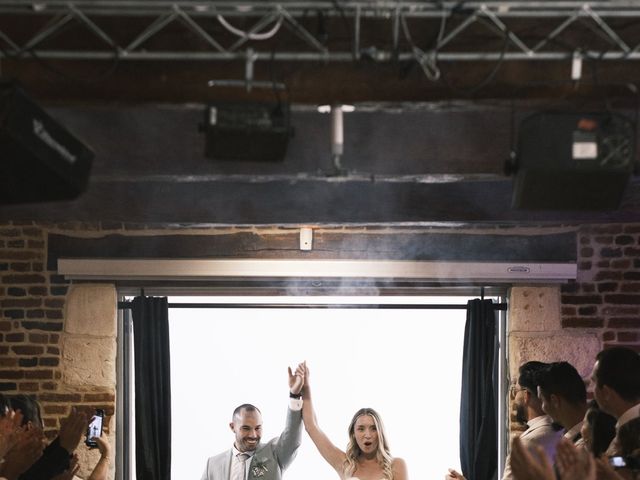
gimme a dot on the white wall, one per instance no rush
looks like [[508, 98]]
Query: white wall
[[403, 363]]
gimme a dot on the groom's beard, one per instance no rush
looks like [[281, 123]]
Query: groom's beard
[[521, 414], [246, 447]]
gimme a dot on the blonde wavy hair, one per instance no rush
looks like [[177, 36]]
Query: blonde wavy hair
[[383, 457]]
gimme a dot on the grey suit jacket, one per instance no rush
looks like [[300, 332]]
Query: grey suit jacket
[[270, 459]]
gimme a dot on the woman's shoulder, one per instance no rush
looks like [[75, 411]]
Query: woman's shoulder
[[399, 468]]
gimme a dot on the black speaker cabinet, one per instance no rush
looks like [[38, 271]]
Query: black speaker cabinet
[[573, 161], [40, 160], [247, 131]]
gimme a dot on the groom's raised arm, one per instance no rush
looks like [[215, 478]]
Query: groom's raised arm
[[289, 440]]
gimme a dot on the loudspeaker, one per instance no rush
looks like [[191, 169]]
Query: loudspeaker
[[39, 159], [247, 131], [573, 161]]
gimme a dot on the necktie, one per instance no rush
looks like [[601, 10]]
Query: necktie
[[238, 467]]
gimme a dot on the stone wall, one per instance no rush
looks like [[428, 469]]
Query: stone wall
[[58, 343]]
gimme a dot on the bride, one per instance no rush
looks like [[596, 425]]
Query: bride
[[367, 456]]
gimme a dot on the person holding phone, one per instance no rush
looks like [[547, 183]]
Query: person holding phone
[[249, 457], [100, 471]]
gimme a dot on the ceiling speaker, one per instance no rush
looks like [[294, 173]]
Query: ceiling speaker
[[40, 160], [247, 131], [573, 161]]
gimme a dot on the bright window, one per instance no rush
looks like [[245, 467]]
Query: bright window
[[405, 363]]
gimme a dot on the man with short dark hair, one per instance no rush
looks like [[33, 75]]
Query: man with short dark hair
[[249, 457], [564, 398], [541, 431], [616, 378]]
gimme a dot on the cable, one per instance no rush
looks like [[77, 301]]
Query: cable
[[251, 36], [347, 27], [485, 81], [77, 79], [48, 66], [426, 60]]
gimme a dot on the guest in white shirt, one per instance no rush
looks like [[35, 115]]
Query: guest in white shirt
[[616, 376], [540, 432]]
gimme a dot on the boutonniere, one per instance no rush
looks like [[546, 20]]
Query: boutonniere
[[259, 468]]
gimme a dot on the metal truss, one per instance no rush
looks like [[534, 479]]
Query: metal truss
[[457, 24]]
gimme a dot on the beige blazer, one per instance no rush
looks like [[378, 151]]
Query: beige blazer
[[540, 432], [270, 459]]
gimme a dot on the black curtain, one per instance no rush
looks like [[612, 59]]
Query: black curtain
[[152, 388], [479, 398]]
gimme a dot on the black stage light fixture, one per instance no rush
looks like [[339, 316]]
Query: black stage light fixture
[[40, 160], [573, 161], [247, 131]]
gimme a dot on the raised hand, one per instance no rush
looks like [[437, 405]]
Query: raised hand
[[101, 470], [296, 381], [103, 446], [304, 371], [72, 430], [454, 475]]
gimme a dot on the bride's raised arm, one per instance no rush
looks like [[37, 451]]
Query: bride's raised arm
[[332, 454]]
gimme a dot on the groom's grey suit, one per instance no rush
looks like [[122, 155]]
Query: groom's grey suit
[[270, 459]]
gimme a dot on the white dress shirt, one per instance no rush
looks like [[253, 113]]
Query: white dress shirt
[[626, 417], [235, 460]]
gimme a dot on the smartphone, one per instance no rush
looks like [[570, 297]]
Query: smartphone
[[631, 462], [617, 462], [94, 429]]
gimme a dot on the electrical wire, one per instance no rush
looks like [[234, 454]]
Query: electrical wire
[[426, 60], [347, 27], [49, 67], [488, 78], [251, 36]]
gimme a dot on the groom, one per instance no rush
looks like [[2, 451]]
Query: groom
[[249, 459]]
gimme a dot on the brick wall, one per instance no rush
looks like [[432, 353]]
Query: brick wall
[[32, 302], [606, 295]]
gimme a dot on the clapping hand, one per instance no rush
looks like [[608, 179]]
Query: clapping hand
[[9, 428], [72, 430], [574, 463], [26, 450], [527, 467]]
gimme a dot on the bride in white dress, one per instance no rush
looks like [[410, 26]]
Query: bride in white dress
[[367, 456]]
